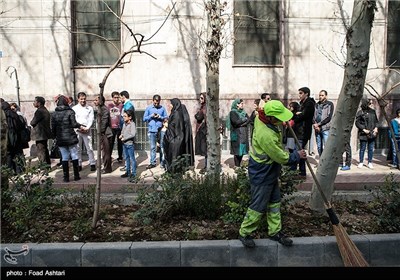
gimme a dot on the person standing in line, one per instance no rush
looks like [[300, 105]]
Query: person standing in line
[[395, 123], [237, 122], [303, 119], [322, 120], [15, 153], [367, 124], [154, 115], [41, 131], [201, 131], [127, 136], [163, 162], [63, 123], [347, 161], [26, 132], [3, 135], [14, 106], [265, 163], [115, 109], [253, 117], [265, 97], [127, 104], [290, 144], [70, 101], [178, 140], [105, 131], [85, 116]]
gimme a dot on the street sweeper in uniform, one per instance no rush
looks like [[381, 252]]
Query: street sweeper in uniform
[[266, 158]]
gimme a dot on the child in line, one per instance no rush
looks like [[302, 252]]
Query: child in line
[[127, 137]]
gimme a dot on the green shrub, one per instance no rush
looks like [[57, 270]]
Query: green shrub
[[28, 198], [238, 196], [386, 205], [186, 194]]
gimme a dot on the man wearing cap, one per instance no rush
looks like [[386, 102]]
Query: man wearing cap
[[266, 158]]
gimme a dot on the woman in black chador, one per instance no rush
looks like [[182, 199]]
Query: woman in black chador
[[178, 140]]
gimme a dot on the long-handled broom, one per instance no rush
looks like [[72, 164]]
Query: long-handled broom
[[351, 255]]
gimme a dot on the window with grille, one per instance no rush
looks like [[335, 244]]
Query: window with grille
[[257, 33], [96, 32], [141, 139], [393, 34]]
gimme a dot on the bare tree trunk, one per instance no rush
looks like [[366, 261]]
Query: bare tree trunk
[[358, 38], [213, 54], [214, 137], [97, 194]]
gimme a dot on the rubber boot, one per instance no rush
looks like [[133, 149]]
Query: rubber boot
[[65, 168], [75, 165]]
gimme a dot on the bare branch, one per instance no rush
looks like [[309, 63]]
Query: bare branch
[[342, 14]]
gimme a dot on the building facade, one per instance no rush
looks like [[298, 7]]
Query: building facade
[[64, 47]]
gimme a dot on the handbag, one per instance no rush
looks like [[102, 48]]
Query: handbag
[[54, 150]]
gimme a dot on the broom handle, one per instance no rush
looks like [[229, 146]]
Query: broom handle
[[310, 168]]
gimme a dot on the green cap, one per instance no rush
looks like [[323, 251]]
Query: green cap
[[276, 109]]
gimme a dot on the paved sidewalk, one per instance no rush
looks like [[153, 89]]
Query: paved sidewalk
[[353, 179]]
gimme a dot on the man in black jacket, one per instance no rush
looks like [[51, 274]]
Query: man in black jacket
[[304, 118], [41, 131]]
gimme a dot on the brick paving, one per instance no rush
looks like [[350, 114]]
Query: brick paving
[[353, 179]]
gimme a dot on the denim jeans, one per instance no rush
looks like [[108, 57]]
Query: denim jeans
[[363, 145], [130, 161], [162, 152], [66, 151], [302, 162], [153, 147], [395, 161], [321, 138]]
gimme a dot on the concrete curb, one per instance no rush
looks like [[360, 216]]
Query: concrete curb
[[378, 250]]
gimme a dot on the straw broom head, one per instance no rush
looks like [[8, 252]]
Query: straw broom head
[[351, 255]]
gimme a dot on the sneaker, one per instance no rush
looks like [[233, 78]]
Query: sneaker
[[360, 165], [150, 166], [119, 160], [132, 179], [123, 168], [370, 166], [247, 241], [125, 175], [281, 238], [345, 168], [392, 166]]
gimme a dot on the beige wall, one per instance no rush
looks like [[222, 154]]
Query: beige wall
[[35, 41]]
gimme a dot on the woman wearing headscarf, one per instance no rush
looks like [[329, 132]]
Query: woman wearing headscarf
[[237, 123], [63, 122], [15, 154], [178, 140], [201, 131], [367, 124]]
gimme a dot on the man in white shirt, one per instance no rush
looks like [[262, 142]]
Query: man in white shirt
[[85, 115]]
